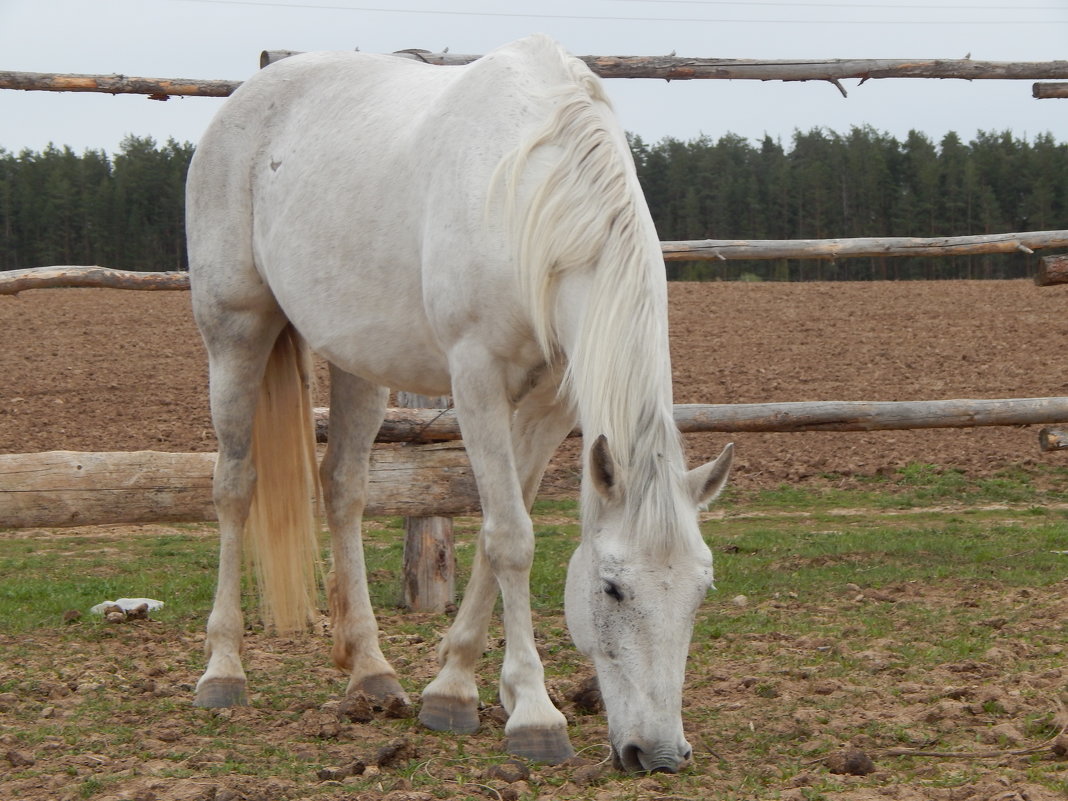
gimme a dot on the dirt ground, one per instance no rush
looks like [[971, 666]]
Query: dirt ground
[[112, 370], [117, 370]]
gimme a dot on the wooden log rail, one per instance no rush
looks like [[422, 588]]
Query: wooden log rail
[[1044, 91], [863, 247], [431, 425], [1052, 270], [671, 68], [66, 489], [14, 281]]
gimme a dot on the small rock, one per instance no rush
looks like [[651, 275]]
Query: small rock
[[850, 761], [114, 614], [345, 771], [20, 759], [1060, 745], [510, 771], [72, 616], [740, 601]]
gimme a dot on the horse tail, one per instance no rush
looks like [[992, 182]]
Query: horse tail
[[282, 533]]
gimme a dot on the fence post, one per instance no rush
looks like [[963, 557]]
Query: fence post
[[429, 560]]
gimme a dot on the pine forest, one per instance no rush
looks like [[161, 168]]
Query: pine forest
[[126, 210]]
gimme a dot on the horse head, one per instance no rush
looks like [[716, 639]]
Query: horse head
[[630, 608]]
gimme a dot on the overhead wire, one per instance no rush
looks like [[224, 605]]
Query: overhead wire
[[611, 18]]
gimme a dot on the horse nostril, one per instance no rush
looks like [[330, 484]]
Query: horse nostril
[[629, 759], [634, 759]]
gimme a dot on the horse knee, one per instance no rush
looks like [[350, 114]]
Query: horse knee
[[509, 548]]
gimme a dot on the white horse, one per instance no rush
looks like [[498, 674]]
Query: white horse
[[478, 230]]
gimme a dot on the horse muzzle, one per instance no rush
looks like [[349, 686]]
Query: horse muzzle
[[639, 758]]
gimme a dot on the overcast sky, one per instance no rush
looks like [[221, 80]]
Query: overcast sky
[[223, 39]]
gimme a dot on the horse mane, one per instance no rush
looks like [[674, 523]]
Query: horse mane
[[586, 216]]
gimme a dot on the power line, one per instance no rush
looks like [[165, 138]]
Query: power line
[[851, 6], [604, 18]]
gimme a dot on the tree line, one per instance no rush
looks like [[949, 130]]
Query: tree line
[[127, 210], [860, 184]]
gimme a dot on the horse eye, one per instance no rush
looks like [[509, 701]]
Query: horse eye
[[612, 590]]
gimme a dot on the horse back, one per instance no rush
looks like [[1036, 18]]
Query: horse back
[[356, 190]]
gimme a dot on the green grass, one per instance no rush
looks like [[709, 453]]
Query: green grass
[[897, 579]]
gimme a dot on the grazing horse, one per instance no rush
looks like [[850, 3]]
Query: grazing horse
[[479, 230]]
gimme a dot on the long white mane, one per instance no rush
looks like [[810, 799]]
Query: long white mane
[[587, 217]]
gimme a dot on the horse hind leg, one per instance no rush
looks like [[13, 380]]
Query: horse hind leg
[[356, 411], [238, 343]]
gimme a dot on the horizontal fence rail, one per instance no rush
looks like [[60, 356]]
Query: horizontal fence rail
[[831, 249], [671, 68], [60, 276], [430, 475], [431, 425]]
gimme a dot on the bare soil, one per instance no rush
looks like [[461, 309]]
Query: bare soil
[[111, 370], [87, 369]]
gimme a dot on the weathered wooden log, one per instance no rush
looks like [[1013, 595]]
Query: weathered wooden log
[[429, 560], [830, 249], [1053, 439], [683, 68], [155, 88], [1052, 270], [63, 488], [869, 415], [425, 425], [1043, 91], [672, 68], [14, 281]]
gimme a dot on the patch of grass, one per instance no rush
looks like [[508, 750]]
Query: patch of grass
[[850, 605]]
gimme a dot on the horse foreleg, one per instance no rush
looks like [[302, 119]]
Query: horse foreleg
[[356, 410], [536, 728]]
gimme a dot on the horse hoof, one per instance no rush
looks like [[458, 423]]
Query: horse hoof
[[383, 689], [551, 746], [213, 693], [448, 714]]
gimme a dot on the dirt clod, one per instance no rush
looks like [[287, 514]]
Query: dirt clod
[[342, 772], [394, 753], [511, 771], [20, 759], [850, 761], [587, 697], [356, 708]]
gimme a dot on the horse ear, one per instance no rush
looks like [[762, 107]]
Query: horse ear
[[603, 469], [707, 481]]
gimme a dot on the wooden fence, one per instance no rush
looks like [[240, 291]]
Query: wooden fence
[[428, 475]]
